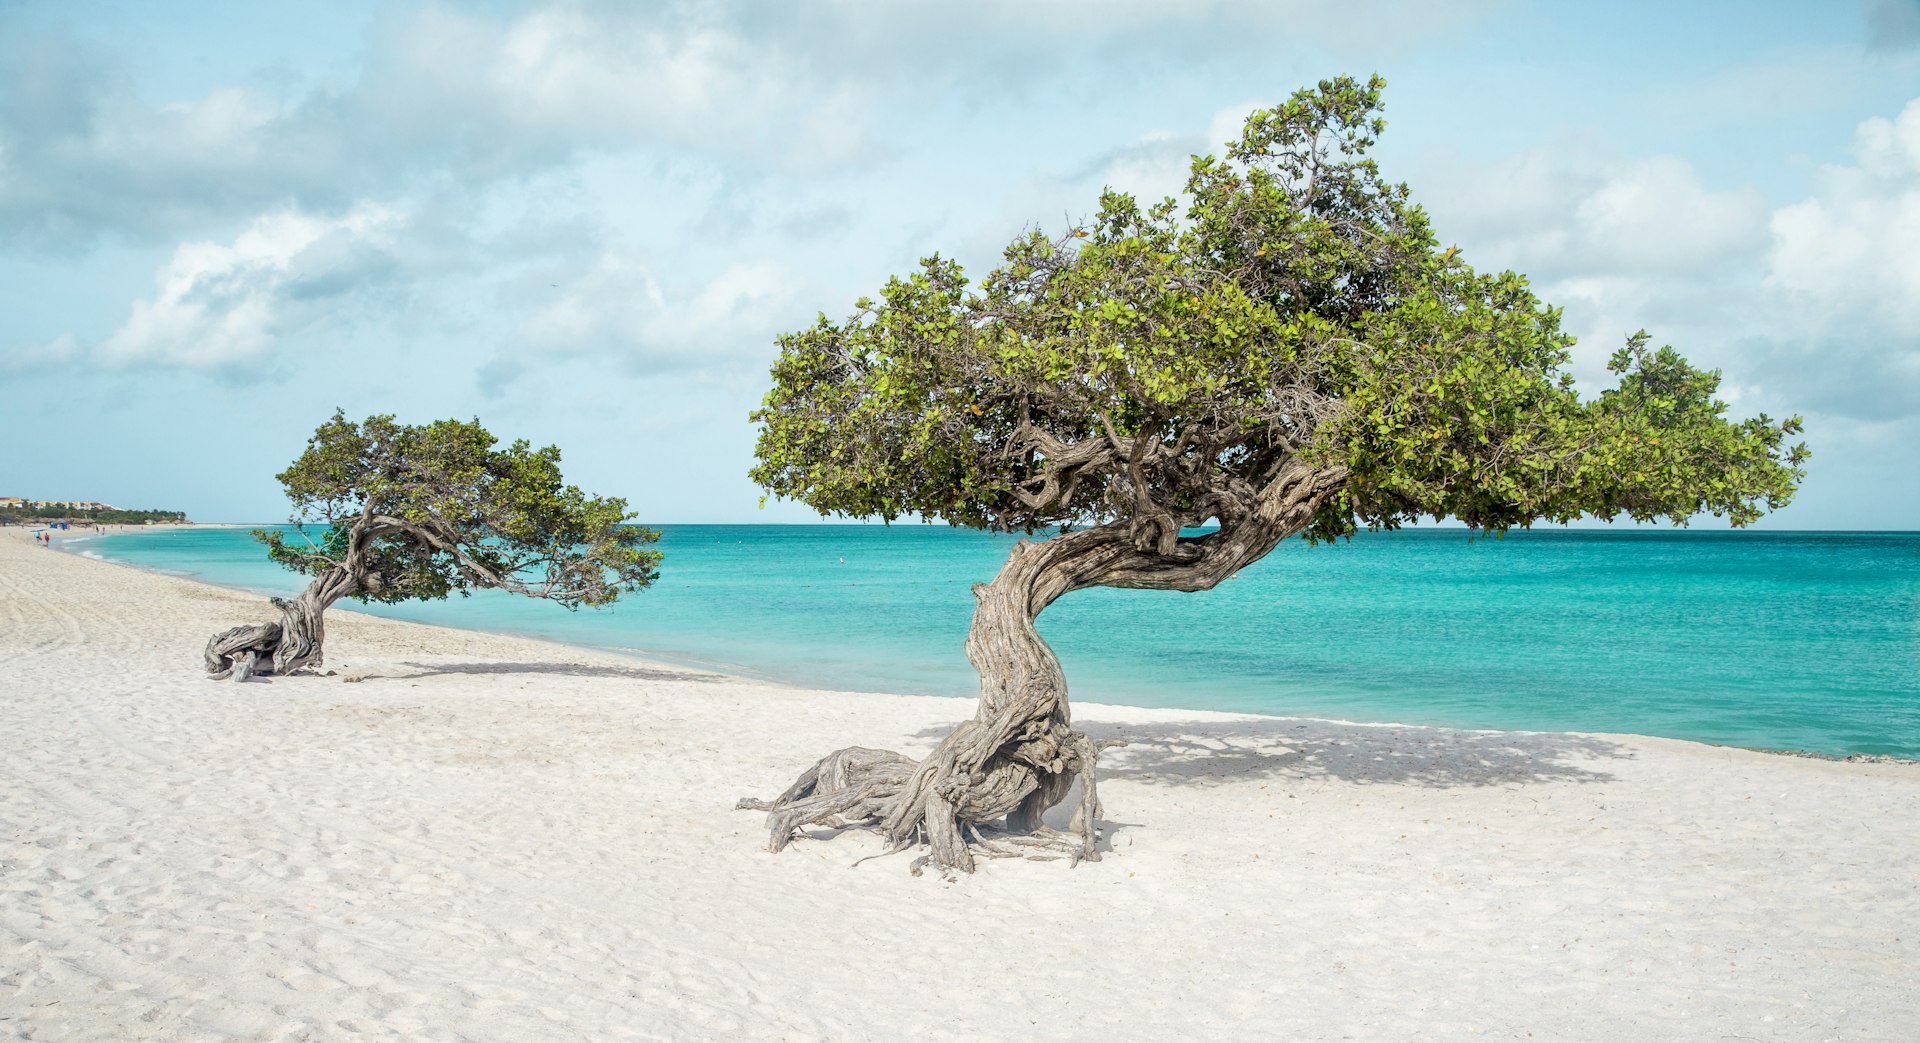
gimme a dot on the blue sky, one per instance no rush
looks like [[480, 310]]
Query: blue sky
[[586, 223]]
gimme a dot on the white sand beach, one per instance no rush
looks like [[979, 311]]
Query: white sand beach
[[459, 836]]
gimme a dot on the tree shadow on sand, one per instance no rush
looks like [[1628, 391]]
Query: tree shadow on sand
[[1204, 753], [632, 673]]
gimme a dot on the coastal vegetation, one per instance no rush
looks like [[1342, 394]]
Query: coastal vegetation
[[1173, 389], [400, 512], [40, 513]]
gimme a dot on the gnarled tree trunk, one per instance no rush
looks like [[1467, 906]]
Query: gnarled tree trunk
[[1019, 755], [291, 644]]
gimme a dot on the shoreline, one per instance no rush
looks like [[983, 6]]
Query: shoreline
[[732, 670], [746, 674], [471, 836]]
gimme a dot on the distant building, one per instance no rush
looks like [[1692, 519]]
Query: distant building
[[72, 505]]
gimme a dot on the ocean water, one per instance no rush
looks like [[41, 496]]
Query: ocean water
[[1807, 641]]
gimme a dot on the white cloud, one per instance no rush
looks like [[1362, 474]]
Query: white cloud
[[475, 97], [222, 305], [1154, 168], [1812, 306], [1891, 147], [1852, 250], [206, 131], [1559, 212], [57, 352], [616, 306], [536, 86], [1656, 216]]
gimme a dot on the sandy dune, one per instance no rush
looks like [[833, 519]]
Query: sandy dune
[[490, 838]]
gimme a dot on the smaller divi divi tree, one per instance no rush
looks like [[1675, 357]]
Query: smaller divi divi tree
[[1293, 354], [395, 512]]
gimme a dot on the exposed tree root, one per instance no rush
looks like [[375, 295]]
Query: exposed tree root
[[271, 648], [237, 653], [934, 802]]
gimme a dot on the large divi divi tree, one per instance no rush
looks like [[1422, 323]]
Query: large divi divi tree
[[397, 512], [1289, 352]]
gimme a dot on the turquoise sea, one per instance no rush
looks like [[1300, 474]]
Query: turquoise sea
[[1806, 641]]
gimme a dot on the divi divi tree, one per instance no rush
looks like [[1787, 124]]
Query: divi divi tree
[[395, 512], [1287, 352]]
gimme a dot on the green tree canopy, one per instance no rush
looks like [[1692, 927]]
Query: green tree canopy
[[1160, 365], [425, 510]]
